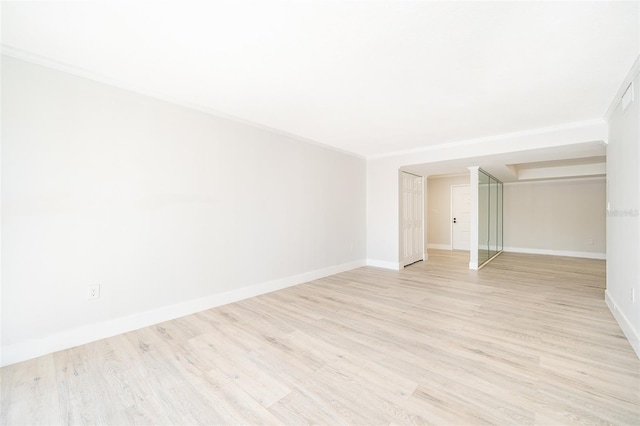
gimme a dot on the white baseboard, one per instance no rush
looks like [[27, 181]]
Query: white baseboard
[[384, 264], [584, 254], [627, 328], [33, 348], [439, 246]]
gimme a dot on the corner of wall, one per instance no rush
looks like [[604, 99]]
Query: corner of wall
[[623, 203], [629, 331]]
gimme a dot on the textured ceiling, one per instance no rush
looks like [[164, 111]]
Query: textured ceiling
[[366, 77]]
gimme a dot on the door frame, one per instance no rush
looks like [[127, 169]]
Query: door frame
[[401, 264]]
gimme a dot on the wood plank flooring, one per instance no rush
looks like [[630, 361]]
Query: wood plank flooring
[[526, 340]]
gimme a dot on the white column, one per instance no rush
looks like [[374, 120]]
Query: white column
[[473, 231]]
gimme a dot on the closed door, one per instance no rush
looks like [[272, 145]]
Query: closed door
[[460, 217], [412, 229]]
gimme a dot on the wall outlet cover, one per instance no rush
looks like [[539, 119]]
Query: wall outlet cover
[[93, 291]]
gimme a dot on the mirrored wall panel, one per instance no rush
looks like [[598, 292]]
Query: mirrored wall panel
[[484, 182], [490, 198]]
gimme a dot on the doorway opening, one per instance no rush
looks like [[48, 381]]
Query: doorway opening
[[439, 212]]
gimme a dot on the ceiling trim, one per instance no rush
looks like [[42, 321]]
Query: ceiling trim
[[475, 141], [83, 73], [576, 170], [571, 179], [448, 176], [80, 72]]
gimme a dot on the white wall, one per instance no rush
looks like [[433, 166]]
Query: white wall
[[556, 217], [382, 177], [438, 208], [163, 206], [623, 218]]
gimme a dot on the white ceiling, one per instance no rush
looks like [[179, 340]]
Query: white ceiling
[[369, 77]]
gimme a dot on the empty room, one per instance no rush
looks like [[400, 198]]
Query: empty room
[[320, 212]]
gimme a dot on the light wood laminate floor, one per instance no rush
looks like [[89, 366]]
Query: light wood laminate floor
[[526, 340]]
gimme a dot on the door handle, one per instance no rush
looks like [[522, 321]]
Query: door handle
[[454, 220]]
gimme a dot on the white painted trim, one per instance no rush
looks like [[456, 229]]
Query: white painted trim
[[439, 246], [580, 179], [384, 264], [629, 331], [424, 207], [410, 173], [635, 69], [566, 253], [399, 224], [476, 141], [33, 348], [90, 75], [561, 172], [449, 176], [425, 218], [404, 261]]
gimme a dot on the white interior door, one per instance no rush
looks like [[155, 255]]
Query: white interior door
[[460, 217], [412, 217]]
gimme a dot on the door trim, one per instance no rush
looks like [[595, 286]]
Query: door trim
[[401, 257]]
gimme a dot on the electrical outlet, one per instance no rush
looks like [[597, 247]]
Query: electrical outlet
[[93, 291]]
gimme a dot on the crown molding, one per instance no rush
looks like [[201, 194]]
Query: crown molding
[[80, 72], [557, 180], [476, 141], [90, 75], [448, 176]]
